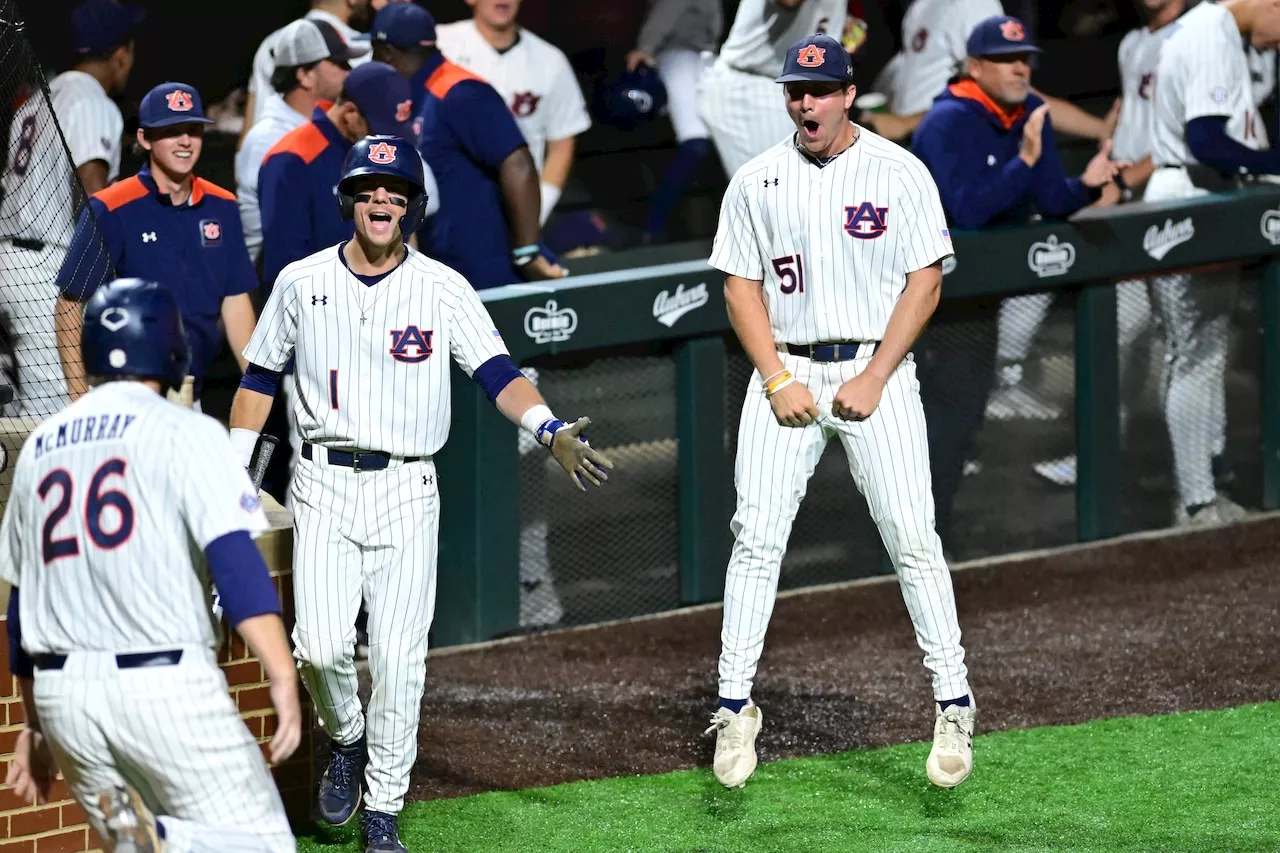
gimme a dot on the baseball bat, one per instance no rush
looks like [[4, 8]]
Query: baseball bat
[[262, 458]]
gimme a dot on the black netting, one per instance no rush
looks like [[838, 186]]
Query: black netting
[[40, 197], [594, 560]]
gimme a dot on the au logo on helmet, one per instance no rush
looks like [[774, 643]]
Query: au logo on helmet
[[1013, 31], [382, 153], [811, 56], [179, 101]]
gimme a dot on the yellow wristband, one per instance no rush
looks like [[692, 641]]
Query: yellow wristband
[[779, 385], [774, 376], [775, 381]]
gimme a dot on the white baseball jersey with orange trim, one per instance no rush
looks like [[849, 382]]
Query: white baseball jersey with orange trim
[[113, 501], [533, 76], [832, 246]]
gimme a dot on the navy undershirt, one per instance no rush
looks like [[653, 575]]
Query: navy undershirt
[[368, 280]]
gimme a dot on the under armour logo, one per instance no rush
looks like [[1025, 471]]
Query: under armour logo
[[148, 236], [767, 184], [320, 300], [426, 480]]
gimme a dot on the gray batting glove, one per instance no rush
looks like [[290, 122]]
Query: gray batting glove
[[578, 458]]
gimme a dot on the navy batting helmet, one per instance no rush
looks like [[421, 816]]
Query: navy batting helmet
[[631, 99], [133, 327], [385, 155]]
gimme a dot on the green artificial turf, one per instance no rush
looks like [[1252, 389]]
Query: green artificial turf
[[1198, 782]]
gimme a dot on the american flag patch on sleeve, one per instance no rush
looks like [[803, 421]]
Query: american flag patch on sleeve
[[946, 232]]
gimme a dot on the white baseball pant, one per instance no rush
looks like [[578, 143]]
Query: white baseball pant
[[1022, 316], [174, 734], [371, 534], [745, 113], [889, 460], [28, 297], [1195, 313], [681, 70]]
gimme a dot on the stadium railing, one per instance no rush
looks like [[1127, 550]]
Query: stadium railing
[[677, 309]]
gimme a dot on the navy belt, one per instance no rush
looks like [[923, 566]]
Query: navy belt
[[841, 351], [358, 460], [123, 661]]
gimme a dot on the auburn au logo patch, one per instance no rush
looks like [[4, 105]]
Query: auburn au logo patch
[[810, 56]]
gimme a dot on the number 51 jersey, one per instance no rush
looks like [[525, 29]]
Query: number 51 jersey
[[113, 502], [832, 242]]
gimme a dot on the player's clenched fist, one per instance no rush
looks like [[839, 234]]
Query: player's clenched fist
[[577, 457], [858, 398], [793, 405]]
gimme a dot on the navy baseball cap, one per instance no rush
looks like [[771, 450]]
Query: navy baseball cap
[[817, 57], [403, 25], [1000, 36], [383, 96], [99, 25], [171, 103]]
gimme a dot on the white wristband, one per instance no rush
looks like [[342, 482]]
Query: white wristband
[[535, 417], [244, 441], [550, 195]]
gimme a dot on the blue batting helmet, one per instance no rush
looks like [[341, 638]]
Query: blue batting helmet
[[630, 99], [385, 155], [133, 327]]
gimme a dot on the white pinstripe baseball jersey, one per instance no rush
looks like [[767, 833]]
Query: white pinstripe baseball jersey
[[533, 76], [763, 30], [833, 244], [370, 372], [1139, 59], [113, 501], [934, 33], [38, 178], [1203, 71], [264, 65]]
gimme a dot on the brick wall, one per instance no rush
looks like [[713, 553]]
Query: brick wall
[[61, 826]]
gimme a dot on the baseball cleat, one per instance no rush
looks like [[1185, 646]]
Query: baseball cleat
[[735, 759], [381, 833], [130, 826], [1014, 402], [342, 782], [1223, 510], [951, 759]]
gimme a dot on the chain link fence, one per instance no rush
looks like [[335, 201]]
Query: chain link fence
[[40, 199], [997, 378]]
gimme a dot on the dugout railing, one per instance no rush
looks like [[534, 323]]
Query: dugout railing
[[677, 309]]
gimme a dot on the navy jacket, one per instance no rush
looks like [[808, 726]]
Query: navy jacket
[[971, 148], [298, 193], [196, 250], [466, 132]]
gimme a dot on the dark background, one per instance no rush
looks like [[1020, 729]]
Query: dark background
[[211, 45]]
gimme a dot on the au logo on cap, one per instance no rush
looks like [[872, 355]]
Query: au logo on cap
[[810, 56], [382, 153], [404, 109], [1012, 30], [179, 101]]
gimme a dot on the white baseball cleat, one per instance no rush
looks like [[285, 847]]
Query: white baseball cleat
[[951, 759], [131, 828], [735, 744]]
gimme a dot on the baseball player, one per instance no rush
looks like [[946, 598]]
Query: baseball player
[[1205, 128], [40, 200], [678, 39], [165, 224], [124, 506], [737, 98], [339, 14], [311, 64], [934, 35], [364, 319], [535, 79], [832, 242]]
